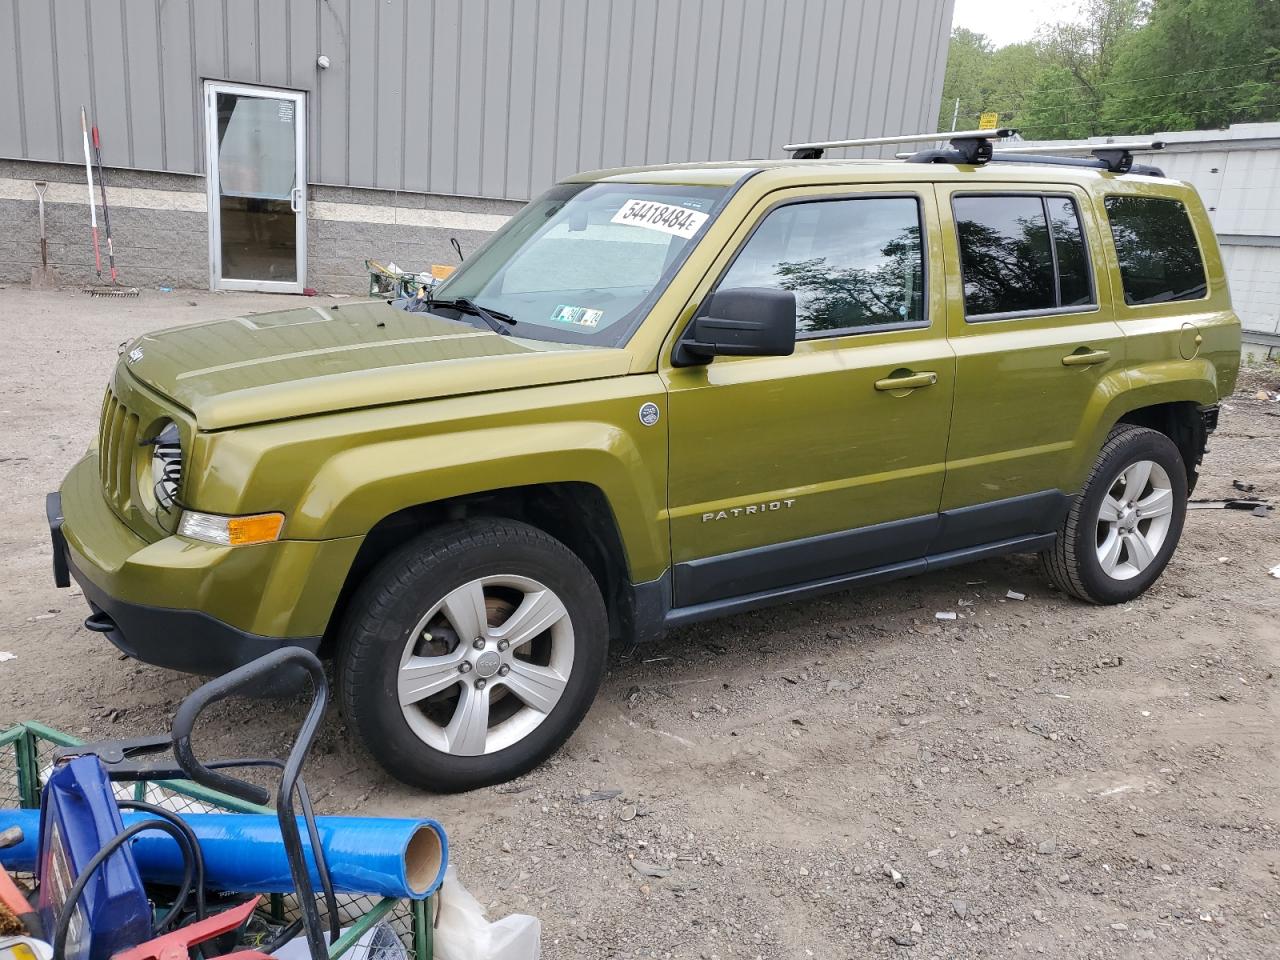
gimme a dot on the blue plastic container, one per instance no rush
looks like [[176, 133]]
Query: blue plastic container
[[78, 815]]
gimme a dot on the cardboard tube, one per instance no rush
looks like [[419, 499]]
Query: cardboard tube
[[244, 853]]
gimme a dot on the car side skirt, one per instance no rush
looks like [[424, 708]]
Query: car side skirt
[[795, 570], [680, 616]]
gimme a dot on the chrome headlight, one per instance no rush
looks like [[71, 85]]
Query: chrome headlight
[[166, 465]]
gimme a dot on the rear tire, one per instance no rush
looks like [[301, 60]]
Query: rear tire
[[471, 654], [1124, 526]]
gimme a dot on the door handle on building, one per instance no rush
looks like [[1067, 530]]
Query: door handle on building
[[1086, 359], [908, 382], [295, 200]]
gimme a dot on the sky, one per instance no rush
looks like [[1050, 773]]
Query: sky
[[1011, 21]]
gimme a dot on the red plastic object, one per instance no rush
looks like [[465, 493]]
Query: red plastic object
[[12, 898], [177, 945]]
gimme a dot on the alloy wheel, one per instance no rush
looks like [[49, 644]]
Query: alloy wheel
[[486, 665], [1134, 519]]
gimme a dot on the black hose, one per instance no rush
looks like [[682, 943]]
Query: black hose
[[63, 924], [197, 856], [284, 936]]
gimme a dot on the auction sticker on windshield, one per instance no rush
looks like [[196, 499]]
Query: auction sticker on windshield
[[667, 217], [579, 316]]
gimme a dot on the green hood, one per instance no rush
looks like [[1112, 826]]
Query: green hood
[[313, 360]]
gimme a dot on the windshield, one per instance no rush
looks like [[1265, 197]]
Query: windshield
[[584, 262]]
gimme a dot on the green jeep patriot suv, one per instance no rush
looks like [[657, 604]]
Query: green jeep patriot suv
[[656, 396]]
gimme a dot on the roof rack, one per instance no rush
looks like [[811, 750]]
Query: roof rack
[[969, 146], [1113, 157]]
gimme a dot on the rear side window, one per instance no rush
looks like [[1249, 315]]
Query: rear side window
[[1021, 253], [853, 264], [1156, 246]]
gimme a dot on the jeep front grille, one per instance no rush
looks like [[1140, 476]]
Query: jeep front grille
[[117, 450]]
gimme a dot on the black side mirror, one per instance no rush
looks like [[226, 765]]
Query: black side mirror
[[742, 322]]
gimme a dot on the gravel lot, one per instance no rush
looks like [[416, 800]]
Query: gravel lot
[[1042, 776]]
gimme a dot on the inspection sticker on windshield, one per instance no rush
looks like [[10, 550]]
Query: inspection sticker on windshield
[[667, 217], [579, 316]]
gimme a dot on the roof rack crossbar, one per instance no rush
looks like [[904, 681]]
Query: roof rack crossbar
[[1116, 157], [974, 144], [1113, 157], [1094, 163]]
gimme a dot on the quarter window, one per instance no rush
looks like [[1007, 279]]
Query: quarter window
[[852, 263], [1021, 253], [1156, 246]]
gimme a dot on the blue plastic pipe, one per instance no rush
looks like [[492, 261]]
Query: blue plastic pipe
[[244, 853]]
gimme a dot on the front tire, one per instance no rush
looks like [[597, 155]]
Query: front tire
[[1124, 526], [471, 654]]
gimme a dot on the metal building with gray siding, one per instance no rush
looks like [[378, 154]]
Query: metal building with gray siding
[[275, 144]]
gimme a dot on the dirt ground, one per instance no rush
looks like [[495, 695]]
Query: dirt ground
[[1043, 776]]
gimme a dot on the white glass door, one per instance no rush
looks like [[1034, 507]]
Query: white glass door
[[256, 140]]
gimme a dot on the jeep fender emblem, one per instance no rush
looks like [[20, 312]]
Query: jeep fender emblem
[[649, 413], [134, 355]]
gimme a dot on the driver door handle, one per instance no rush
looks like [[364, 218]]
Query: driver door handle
[[909, 382], [1086, 359]]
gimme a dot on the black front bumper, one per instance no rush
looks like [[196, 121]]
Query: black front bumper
[[186, 640]]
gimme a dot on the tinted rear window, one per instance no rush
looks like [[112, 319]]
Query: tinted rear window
[[1156, 246], [1073, 258], [1004, 254], [1010, 245]]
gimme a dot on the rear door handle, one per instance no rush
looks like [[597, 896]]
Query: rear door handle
[[1086, 359], [909, 382]]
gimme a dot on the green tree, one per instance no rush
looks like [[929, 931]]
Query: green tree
[[985, 78], [1058, 107], [1068, 97], [965, 78], [1197, 64]]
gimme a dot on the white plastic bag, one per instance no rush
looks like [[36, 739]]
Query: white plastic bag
[[378, 943], [464, 934]]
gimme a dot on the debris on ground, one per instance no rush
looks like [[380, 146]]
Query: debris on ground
[[945, 615], [646, 869], [1015, 595], [595, 795]]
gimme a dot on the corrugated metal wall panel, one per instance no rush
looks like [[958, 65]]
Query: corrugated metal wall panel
[[1254, 276], [519, 126], [109, 92], [445, 64], [329, 101], [364, 94], [180, 149], [596, 64], [11, 120], [476, 97], [242, 46], [72, 84], [496, 98], [145, 100], [475, 60]]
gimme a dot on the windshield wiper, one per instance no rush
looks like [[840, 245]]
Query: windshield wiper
[[495, 321]]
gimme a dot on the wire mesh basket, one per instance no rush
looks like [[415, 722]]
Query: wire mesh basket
[[26, 755]]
